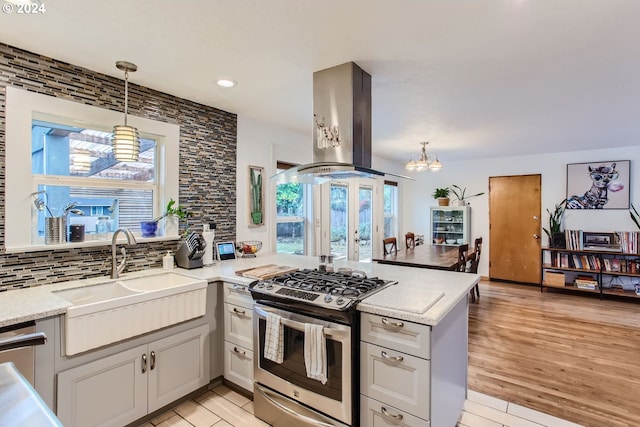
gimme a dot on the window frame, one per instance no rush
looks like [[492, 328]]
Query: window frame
[[280, 166], [22, 107], [394, 209]]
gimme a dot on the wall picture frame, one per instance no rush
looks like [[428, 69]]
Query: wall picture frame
[[256, 196], [598, 185]]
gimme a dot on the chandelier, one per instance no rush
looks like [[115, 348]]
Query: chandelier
[[125, 139], [425, 162]]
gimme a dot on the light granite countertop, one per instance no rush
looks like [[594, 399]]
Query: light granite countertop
[[422, 295]]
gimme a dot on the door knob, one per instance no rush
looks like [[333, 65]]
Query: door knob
[[536, 236], [536, 217]]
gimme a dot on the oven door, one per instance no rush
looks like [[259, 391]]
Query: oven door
[[289, 378]]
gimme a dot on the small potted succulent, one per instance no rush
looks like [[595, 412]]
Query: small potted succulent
[[442, 195]]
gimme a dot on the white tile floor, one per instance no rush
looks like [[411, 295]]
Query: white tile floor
[[223, 407]]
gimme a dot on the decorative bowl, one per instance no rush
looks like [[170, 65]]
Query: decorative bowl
[[248, 248], [148, 228], [451, 241], [460, 241], [438, 240]]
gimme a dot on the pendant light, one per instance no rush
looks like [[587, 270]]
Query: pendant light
[[425, 162], [125, 139]]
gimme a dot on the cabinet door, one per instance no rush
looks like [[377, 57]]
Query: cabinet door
[[396, 378], [238, 365], [377, 414], [238, 325], [177, 365], [108, 392]]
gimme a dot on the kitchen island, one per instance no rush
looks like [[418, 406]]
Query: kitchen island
[[433, 301]]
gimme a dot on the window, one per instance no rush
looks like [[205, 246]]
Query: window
[[290, 216], [75, 171], [72, 164], [390, 209]]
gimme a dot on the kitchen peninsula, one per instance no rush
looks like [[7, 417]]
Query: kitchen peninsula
[[426, 308]]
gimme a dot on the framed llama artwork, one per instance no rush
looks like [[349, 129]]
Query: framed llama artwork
[[598, 185]]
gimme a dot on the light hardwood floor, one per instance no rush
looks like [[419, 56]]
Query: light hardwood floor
[[571, 356]]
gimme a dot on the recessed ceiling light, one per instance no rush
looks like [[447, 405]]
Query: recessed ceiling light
[[226, 83]]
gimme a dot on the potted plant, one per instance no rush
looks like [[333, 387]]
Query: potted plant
[[149, 228], [554, 232], [256, 197], [442, 195], [460, 195]]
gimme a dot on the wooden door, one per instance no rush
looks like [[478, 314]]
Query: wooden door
[[514, 228]]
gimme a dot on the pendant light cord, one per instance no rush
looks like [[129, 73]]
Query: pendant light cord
[[126, 95]]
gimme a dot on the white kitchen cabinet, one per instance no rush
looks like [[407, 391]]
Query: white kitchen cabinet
[[121, 388], [413, 374], [450, 225], [378, 414], [238, 335]]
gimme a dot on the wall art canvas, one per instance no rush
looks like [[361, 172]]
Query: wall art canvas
[[598, 185]]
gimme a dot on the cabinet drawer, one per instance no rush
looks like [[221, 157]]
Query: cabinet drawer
[[238, 295], [377, 414], [238, 365], [401, 380], [238, 325], [407, 337]]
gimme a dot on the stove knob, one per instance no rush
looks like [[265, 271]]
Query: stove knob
[[260, 285], [327, 298], [269, 286], [340, 301]]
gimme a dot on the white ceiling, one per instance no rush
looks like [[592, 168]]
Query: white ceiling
[[476, 78]]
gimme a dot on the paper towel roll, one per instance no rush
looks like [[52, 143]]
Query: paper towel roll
[[208, 236]]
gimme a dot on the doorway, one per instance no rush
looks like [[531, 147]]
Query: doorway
[[514, 228], [350, 218]]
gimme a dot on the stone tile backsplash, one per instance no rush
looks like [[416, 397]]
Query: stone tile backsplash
[[207, 184]]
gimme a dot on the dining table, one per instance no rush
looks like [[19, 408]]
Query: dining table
[[438, 257]]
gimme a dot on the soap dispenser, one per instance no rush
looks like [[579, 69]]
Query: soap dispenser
[[167, 261]]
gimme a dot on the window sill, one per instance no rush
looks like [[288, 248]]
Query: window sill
[[86, 244]]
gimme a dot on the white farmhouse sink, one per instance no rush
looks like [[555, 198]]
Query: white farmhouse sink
[[109, 312]]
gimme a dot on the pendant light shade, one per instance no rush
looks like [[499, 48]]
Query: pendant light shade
[[125, 139]]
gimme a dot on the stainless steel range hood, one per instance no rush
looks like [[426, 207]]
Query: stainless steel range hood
[[341, 128]]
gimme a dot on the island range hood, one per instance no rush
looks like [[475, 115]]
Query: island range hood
[[341, 128]]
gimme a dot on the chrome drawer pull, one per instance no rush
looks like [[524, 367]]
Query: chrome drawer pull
[[392, 358], [390, 415], [385, 322], [241, 312], [144, 363], [240, 352], [239, 288], [153, 360]]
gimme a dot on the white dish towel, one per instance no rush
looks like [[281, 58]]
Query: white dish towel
[[315, 352], [273, 338]]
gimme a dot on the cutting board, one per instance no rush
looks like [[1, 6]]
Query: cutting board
[[414, 300], [266, 271]]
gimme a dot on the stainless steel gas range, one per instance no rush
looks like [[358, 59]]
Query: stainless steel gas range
[[284, 396]]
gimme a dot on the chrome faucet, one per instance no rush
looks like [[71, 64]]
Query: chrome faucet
[[116, 268]]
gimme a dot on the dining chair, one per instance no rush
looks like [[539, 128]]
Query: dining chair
[[473, 260], [462, 258], [390, 245], [410, 240]]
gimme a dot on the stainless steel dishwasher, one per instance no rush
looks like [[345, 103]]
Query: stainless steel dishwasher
[[22, 357]]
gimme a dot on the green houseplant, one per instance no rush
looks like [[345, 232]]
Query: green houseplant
[[149, 228], [554, 231], [256, 196], [461, 196], [442, 195]]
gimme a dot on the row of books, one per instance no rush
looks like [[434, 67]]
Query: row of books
[[620, 241], [629, 241], [594, 262], [585, 282]]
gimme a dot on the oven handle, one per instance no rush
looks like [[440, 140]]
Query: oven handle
[[298, 326], [267, 395]]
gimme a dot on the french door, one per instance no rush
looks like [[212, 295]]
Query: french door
[[350, 218]]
